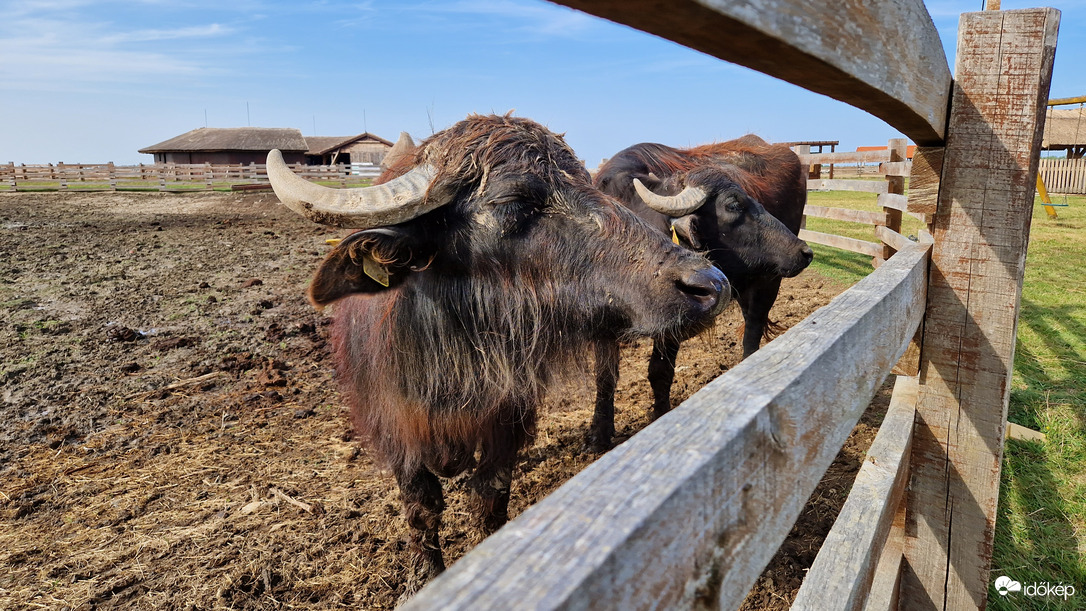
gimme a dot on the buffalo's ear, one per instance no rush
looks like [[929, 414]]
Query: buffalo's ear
[[687, 228], [367, 261], [651, 181]]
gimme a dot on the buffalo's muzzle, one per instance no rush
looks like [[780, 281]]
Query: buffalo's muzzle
[[806, 255], [705, 287]]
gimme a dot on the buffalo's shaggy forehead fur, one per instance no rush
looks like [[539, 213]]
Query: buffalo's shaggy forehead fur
[[467, 153]]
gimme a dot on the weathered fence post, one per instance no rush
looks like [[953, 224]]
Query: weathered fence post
[[1004, 67], [112, 176], [895, 179]]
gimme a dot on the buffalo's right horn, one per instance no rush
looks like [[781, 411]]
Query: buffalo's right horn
[[691, 198], [395, 201]]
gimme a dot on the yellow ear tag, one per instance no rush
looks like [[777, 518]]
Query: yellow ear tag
[[674, 236], [376, 271]]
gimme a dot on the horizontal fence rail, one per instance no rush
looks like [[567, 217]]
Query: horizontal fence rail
[[167, 176], [889, 189], [845, 568], [689, 511], [885, 58]]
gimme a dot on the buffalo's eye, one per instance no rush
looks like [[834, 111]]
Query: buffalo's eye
[[734, 202], [511, 203]]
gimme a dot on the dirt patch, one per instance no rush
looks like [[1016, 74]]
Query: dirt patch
[[171, 436]]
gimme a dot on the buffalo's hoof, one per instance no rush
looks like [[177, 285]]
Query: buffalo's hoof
[[596, 442]]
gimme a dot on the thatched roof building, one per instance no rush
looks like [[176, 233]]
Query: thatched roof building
[[1065, 130], [230, 145]]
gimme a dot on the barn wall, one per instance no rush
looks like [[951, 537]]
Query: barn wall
[[225, 157], [367, 152]]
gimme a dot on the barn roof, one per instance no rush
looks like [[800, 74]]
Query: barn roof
[[322, 145], [215, 139], [1065, 127]]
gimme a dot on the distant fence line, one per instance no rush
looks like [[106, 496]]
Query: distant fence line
[[166, 176], [1064, 175], [893, 169]]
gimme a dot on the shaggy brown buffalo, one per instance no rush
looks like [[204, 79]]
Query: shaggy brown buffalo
[[741, 203], [485, 262]]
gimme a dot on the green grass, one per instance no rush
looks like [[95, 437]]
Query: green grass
[[839, 264], [1041, 523], [1041, 527]]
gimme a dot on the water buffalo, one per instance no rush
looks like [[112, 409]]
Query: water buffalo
[[741, 203], [486, 260]]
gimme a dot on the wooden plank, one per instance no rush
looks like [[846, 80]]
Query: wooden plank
[[844, 157], [852, 52], [981, 227], [840, 184], [887, 580], [843, 214], [924, 181], [841, 575], [895, 168], [893, 200], [850, 244], [892, 238], [689, 511], [1066, 101], [1021, 433], [895, 185]]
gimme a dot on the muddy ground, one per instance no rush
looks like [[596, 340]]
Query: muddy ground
[[171, 436]]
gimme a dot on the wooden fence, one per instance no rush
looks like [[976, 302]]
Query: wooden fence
[[166, 176], [893, 168], [1064, 175], [687, 513]]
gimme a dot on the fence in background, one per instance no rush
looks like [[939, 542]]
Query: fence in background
[[1064, 175], [167, 176]]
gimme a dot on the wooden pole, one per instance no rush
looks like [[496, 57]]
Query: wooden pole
[[1003, 72], [895, 184]]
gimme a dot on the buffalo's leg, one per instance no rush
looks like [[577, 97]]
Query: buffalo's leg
[[602, 429], [493, 477], [662, 374], [423, 504], [755, 302]]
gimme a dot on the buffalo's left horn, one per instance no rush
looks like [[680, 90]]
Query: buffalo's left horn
[[395, 201], [691, 198]]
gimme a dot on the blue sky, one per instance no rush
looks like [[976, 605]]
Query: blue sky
[[84, 81]]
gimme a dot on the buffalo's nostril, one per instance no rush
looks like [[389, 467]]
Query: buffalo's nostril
[[703, 285], [808, 254]]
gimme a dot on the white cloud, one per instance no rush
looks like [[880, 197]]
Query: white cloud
[[202, 31], [44, 51]]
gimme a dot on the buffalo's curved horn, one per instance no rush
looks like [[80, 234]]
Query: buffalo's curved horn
[[691, 198], [395, 201]]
